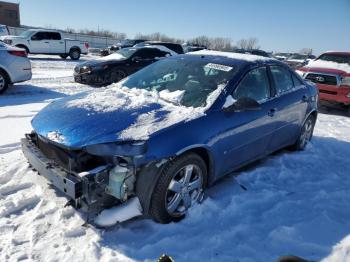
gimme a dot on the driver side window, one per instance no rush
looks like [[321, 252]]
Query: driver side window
[[254, 85]]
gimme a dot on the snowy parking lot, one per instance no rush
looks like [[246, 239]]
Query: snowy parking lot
[[289, 203]]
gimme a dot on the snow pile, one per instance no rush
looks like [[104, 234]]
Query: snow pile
[[245, 57], [329, 65], [118, 214]]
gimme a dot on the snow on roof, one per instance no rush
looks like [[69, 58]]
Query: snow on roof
[[114, 56], [245, 57], [161, 48], [329, 65]]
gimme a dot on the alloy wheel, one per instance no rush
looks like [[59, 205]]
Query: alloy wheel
[[2, 82], [184, 190], [307, 133]]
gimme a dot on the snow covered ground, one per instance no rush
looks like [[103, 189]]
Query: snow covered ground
[[295, 203]]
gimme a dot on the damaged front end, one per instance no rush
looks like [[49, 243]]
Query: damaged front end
[[95, 177]]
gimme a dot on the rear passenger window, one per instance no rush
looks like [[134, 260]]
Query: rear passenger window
[[282, 78], [254, 85], [55, 36], [297, 82]]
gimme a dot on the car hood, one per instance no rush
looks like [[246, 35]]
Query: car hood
[[110, 115], [11, 37], [327, 67]]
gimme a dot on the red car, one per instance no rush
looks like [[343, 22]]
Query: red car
[[331, 73]]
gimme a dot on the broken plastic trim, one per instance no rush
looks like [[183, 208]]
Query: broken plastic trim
[[128, 148]]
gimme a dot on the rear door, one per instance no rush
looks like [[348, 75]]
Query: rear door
[[56, 43], [247, 133], [39, 43], [290, 104]]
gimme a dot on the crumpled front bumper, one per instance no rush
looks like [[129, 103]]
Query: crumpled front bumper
[[85, 190]]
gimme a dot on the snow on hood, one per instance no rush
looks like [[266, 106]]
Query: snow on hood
[[112, 57], [245, 57], [117, 96], [329, 65]]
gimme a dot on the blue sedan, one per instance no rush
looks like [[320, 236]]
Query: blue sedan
[[167, 132]]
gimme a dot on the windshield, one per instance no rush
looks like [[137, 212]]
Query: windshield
[[127, 52], [298, 56], [183, 82], [26, 34], [341, 59]]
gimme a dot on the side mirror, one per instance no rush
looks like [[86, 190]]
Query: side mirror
[[243, 104]]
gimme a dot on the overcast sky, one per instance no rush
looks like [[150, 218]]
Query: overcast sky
[[280, 25]]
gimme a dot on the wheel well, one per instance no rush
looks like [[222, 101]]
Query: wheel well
[[74, 48], [6, 75], [204, 154], [24, 47], [314, 114]]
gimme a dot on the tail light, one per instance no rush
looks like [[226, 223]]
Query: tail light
[[86, 45], [18, 53]]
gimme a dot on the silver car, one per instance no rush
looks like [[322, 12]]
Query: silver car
[[14, 66]]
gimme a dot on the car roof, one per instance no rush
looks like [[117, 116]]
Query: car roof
[[337, 53], [230, 58]]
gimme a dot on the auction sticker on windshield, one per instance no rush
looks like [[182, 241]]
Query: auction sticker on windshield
[[219, 67]]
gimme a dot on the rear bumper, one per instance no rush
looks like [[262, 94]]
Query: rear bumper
[[334, 94]]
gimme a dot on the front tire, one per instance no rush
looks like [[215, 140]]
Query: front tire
[[305, 134], [64, 56], [181, 183], [117, 75], [4, 82], [74, 54]]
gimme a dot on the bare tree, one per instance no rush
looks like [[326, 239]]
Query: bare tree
[[249, 44], [306, 51]]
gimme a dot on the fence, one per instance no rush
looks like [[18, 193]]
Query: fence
[[94, 41]]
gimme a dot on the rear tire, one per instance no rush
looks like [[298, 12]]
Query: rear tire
[[4, 82], [305, 134], [181, 183], [74, 54]]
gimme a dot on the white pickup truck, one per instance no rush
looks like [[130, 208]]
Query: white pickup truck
[[51, 42]]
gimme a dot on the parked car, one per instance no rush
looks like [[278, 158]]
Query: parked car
[[51, 42], [170, 130], [252, 52], [177, 48], [14, 66], [112, 68], [193, 48], [4, 30], [331, 73], [282, 56], [298, 60]]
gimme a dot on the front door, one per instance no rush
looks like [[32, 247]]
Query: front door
[[246, 134], [39, 43]]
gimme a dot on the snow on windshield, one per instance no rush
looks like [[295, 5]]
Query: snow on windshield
[[246, 57], [329, 65]]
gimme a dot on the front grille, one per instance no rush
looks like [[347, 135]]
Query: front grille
[[328, 92], [70, 160], [322, 79]]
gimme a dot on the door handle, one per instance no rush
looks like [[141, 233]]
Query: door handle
[[305, 98], [272, 112]]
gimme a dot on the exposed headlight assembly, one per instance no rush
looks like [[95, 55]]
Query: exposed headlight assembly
[[128, 148]]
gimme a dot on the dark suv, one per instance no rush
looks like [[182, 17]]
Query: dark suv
[[172, 46]]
